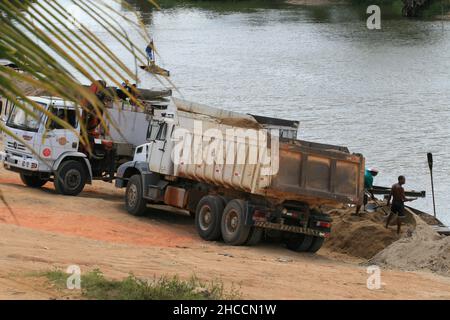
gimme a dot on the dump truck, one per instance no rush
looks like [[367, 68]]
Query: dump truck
[[241, 176], [46, 151]]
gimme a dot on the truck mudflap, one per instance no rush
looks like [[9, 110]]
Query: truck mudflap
[[18, 162], [293, 229]]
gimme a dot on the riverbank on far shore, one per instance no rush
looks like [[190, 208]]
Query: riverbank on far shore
[[433, 12], [315, 2]]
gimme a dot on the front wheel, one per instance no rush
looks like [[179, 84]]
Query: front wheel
[[32, 180], [134, 202], [70, 178]]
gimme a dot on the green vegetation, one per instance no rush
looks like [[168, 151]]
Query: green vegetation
[[224, 6], [393, 8], [435, 8], [94, 285]]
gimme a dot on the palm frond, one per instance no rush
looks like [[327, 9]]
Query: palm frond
[[35, 36]]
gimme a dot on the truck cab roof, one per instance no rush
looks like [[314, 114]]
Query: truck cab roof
[[55, 101]]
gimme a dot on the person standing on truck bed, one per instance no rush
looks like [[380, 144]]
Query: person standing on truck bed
[[90, 118], [368, 184], [398, 199]]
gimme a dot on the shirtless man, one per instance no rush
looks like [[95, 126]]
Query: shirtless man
[[398, 206]]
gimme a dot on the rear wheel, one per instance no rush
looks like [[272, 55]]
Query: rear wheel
[[134, 202], [70, 178], [255, 236], [32, 181], [299, 242], [316, 244], [234, 230], [208, 217]]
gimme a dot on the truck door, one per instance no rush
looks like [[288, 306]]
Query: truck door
[[55, 139], [160, 153]]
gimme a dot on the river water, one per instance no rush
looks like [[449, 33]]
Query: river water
[[383, 93]]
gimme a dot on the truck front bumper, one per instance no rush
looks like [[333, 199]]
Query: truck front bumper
[[18, 162], [120, 182]]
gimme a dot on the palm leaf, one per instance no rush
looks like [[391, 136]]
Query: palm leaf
[[35, 37]]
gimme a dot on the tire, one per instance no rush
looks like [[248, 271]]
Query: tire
[[234, 230], [255, 236], [300, 242], [134, 202], [316, 244], [32, 181], [70, 178], [208, 217]]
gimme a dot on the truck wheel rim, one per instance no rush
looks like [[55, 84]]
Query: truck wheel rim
[[205, 218], [132, 195], [232, 221], [73, 179]]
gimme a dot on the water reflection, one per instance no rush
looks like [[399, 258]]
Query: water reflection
[[141, 6]]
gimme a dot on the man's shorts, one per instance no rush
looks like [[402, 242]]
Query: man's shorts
[[398, 208]]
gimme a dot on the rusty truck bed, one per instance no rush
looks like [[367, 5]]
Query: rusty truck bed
[[317, 174]]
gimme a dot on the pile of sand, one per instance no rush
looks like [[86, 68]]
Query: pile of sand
[[27, 88], [418, 247], [365, 235], [424, 250], [30, 90]]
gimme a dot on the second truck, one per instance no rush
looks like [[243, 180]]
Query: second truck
[[241, 176]]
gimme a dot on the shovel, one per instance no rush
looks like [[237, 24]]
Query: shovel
[[372, 207]]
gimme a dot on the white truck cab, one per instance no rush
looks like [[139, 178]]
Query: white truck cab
[[46, 138], [45, 151], [42, 144]]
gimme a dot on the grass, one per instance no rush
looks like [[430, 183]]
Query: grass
[[94, 285]]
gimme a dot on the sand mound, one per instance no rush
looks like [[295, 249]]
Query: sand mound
[[425, 250], [30, 90], [363, 236], [27, 88]]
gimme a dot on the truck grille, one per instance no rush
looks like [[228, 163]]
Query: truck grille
[[17, 146]]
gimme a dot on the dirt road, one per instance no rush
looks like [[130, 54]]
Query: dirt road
[[46, 231]]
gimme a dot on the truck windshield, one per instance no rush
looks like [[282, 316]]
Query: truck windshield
[[28, 120]]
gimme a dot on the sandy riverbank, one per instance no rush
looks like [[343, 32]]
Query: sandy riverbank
[[48, 231]]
